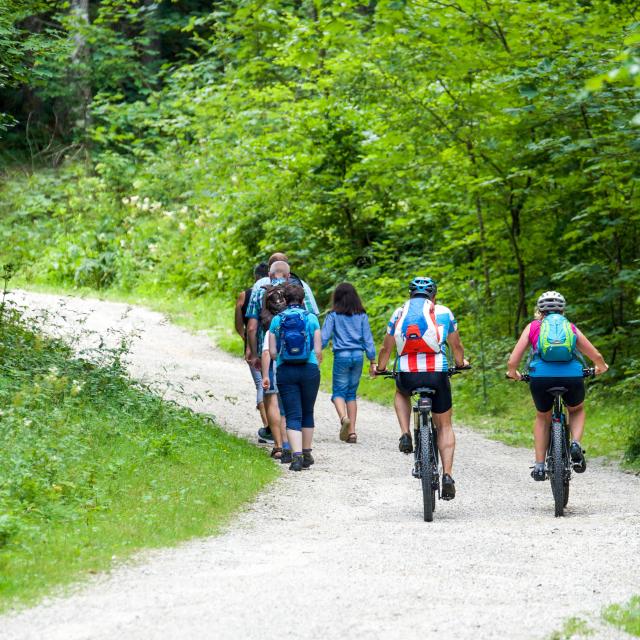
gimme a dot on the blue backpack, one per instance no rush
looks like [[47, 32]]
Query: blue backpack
[[557, 342], [295, 342]]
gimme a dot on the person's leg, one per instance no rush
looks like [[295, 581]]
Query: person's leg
[[339, 381], [273, 416], [257, 380], [340, 405], [289, 389], [309, 385], [402, 405], [352, 412], [541, 434], [446, 439], [577, 416], [263, 414], [355, 373]]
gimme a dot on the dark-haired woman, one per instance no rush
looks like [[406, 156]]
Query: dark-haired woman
[[347, 326]]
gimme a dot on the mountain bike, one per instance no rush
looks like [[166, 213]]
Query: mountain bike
[[558, 459], [426, 466]]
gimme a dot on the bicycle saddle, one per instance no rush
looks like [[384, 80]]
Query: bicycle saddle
[[557, 390], [425, 390]]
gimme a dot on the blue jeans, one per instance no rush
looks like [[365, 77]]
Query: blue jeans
[[298, 388], [347, 369]]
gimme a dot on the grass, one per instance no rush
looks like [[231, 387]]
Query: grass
[[625, 616], [93, 467], [572, 627]]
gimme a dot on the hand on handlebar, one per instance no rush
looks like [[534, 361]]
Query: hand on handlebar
[[464, 365], [600, 370], [514, 374]]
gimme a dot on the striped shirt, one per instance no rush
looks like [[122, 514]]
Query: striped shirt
[[423, 362]]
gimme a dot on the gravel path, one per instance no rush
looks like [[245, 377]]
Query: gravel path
[[341, 551]]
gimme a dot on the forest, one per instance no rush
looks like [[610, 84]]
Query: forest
[[164, 147]]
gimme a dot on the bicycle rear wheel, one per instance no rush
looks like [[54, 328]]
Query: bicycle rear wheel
[[426, 468], [556, 468]]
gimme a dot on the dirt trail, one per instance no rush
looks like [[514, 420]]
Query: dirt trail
[[341, 551]]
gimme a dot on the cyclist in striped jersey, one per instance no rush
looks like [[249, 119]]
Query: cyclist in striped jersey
[[419, 331]]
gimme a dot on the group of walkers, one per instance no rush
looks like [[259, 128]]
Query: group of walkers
[[278, 319]]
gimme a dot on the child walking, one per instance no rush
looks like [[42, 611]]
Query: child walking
[[347, 326]]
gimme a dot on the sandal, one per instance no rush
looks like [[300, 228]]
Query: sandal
[[345, 423], [276, 453], [352, 438]]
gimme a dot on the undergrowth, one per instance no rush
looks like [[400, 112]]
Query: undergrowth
[[93, 466]]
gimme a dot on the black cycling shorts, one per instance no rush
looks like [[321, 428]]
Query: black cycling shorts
[[544, 401], [438, 380]]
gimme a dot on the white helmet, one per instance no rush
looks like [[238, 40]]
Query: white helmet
[[551, 302]]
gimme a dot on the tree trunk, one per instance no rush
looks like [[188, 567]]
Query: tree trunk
[[80, 68]]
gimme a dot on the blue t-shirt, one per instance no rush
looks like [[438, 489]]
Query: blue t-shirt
[[312, 322]]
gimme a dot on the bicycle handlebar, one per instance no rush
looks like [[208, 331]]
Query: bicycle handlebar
[[450, 372], [587, 372]]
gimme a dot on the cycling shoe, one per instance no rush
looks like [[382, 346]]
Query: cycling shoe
[[405, 446], [539, 473], [577, 457], [448, 487]]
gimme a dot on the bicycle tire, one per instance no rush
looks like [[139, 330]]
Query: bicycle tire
[[426, 469], [556, 468]]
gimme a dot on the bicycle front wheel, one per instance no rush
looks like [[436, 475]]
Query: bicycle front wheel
[[556, 469], [426, 467]]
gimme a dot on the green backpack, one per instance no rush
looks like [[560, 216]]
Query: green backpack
[[557, 341]]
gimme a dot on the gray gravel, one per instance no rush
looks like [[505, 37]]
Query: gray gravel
[[341, 551]]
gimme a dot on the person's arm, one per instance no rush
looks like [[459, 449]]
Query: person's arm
[[309, 300], [458, 350], [385, 353], [266, 363], [517, 353], [369, 345], [586, 348], [251, 354], [239, 318], [273, 347], [327, 329], [317, 344]]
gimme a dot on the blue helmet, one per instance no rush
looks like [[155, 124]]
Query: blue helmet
[[423, 285]]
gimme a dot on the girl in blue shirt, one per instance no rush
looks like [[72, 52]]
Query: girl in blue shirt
[[347, 325], [298, 382]]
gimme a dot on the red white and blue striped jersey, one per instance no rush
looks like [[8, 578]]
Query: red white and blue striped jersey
[[423, 362]]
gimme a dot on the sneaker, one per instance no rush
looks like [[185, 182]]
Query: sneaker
[[539, 473], [286, 457], [577, 457], [265, 435], [296, 463], [405, 446], [307, 459], [448, 487]]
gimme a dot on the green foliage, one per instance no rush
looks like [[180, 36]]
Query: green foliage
[[93, 468], [625, 616], [571, 628], [371, 142]]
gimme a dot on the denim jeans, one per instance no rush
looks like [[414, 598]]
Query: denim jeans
[[347, 369], [298, 388]]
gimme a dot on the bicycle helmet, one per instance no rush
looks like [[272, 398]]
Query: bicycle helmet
[[426, 286], [551, 302]]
